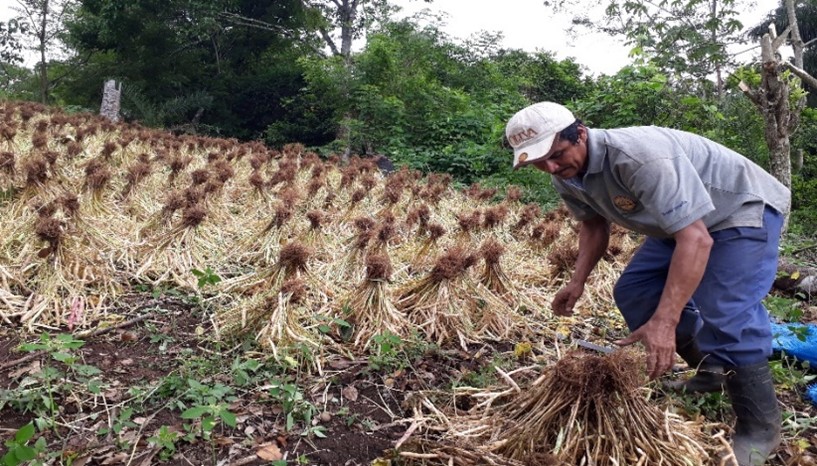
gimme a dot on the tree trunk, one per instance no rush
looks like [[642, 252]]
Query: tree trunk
[[43, 61], [714, 38], [110, 101], [774, 106], [348, 13], [345, 14], [794, 36], [798, 160]]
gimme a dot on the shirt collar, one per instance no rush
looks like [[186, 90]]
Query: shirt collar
[[596, 150]]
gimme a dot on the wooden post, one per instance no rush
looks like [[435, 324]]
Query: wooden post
[[110, 100]]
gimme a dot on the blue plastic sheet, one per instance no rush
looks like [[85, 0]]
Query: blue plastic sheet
[[800, 341], [811, 393], [786, 337]]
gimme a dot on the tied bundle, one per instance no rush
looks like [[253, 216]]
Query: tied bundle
[[438, 302], [372, 311], [285, 325], [589, 409]]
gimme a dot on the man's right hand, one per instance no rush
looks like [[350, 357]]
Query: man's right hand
[[566, 298]]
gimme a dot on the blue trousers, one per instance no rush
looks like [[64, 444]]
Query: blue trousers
[[725, 315]]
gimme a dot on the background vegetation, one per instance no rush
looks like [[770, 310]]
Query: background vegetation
[[285, 71]]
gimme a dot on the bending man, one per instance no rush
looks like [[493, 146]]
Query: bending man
[[712, 219]]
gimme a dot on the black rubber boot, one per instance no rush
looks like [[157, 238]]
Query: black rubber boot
[[757, 429], [708, 377]]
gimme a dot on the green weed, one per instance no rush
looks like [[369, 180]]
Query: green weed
[[293, 404], [711, 405], [786, 373], [39, 391], [165, 439], [18, 450], [206, 277], [785, 309]]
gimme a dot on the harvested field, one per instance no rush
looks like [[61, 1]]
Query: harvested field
[[187, 300]]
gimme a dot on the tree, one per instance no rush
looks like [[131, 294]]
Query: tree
[[541, 77], [779, 97], [806, 13], [686, 39], [10, 46], [46, 20], [18, 83], [341, 22], [237, 60], [11, 52]]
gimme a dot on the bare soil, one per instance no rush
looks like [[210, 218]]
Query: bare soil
[[360, 411]]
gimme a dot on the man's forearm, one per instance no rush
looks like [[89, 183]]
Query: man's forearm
[[593, 239], [686, 270]]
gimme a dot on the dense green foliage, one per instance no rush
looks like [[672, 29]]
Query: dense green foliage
[[804, 181], [194, 56]]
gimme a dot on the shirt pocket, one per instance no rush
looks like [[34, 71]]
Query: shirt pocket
[[626, 204]]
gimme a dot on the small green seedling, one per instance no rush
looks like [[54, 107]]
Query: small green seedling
[[19, 452], [206, 277]]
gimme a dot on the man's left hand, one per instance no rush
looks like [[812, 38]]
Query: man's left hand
[[658, 338]]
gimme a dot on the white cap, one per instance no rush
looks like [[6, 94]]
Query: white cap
[[532, 130]]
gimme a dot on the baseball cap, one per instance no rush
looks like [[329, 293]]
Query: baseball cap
[[531, 131]]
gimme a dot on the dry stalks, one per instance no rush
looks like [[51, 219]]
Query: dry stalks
[[370, 307]]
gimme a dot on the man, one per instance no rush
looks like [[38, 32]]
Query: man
[[712, 220]]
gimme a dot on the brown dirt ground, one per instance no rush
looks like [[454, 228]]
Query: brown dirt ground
[[362, 424]]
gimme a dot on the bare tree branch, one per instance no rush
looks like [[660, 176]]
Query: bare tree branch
[[795, 38], [749, 93], [328, 39], [779, 40], [240, 20], [804, 75]]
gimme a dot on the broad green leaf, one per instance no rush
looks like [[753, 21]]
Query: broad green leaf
[[208, 423], [25, 433], [24, 453], [30, 347], [195, 412], [228, 418], [69, 342], [62, 357], [342, 323], [86, 370]]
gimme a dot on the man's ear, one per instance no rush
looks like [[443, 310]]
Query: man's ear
[[582, 131]]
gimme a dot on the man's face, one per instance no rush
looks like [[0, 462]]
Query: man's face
[[565, 159]]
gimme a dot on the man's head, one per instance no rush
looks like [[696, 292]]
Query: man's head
[[548, 136]]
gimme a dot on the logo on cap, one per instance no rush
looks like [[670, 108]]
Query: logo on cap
[[523, 156], [522, 136]]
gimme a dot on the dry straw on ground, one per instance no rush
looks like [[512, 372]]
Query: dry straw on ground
[[584, 409], [94, 207], [89, 208]]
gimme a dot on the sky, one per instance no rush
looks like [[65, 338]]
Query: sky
[[525, 24], [530, 25]]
